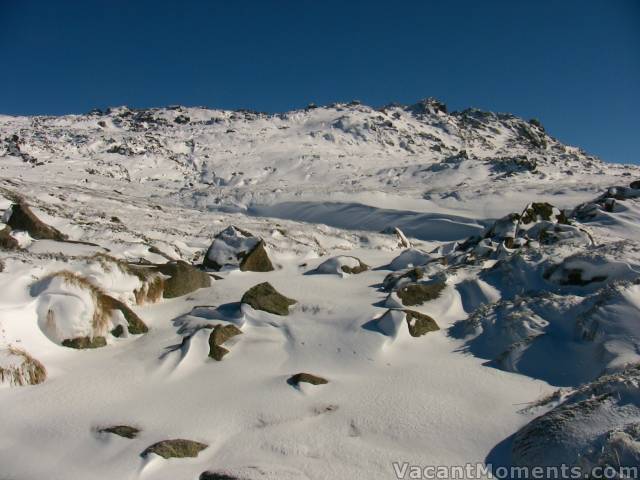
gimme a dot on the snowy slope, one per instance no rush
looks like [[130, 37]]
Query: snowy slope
[[526, 297]]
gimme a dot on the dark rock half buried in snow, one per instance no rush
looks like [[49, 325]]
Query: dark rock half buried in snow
[[298, 378], [124, 431], [20, 217], [264, 297], [234, 247], [84, 343], [183, 279], [419, 293], [254, 472], [219, 335], [176, 448], [418, 324]]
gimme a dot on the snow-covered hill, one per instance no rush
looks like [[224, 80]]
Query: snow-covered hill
[[131, 314]]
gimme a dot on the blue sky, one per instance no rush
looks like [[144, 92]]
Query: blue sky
[[574, 64]]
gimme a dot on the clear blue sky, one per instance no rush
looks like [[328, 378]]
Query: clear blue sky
[[574, 64]]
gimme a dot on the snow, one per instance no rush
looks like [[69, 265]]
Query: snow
[[526, 307]]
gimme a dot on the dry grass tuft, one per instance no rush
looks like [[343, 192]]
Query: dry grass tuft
[[102, 311], [152, 284], [104, 305], [151, 290], [29, 372]]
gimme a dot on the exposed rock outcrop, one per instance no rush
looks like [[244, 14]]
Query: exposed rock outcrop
[[183, 278], [176, 448], [299, 378], [234, 247], [20, 217], [264, 297], [219, 335], [124, 431]]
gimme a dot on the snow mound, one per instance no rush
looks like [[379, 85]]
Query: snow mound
[[534, 334], [597, 425], [342, 265], [71, 308]]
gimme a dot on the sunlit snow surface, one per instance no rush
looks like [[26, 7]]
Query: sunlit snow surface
[[314, 184]]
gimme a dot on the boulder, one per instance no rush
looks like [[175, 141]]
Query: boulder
[[536, 211], [83, 343], [183, 279], [395, 279], [135, 325], [217, 476], [635, 184], [264, 297], [299, 378], [176, 448], [418, 293], [418, 324], [22, 218], [257, 260], [124, 431], [219, 335], [234, 247]]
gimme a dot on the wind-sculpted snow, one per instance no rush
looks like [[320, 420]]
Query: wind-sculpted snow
[[515, 271]]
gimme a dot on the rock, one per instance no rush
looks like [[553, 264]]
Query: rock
[[234, 247], [536, 123], [535, 212], [219, 335], [22, 218], [7, 242], [217, 476], [342, 264], [420, 324], [257, 260], [395, 279], [177, 448], [254, 472], [635, 184], [18, 368], [183, 279], [299, 378], [82, 343], [182, 119], [118, 331], [124, 431], [135, 325], [418, 293], [264, 297]]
